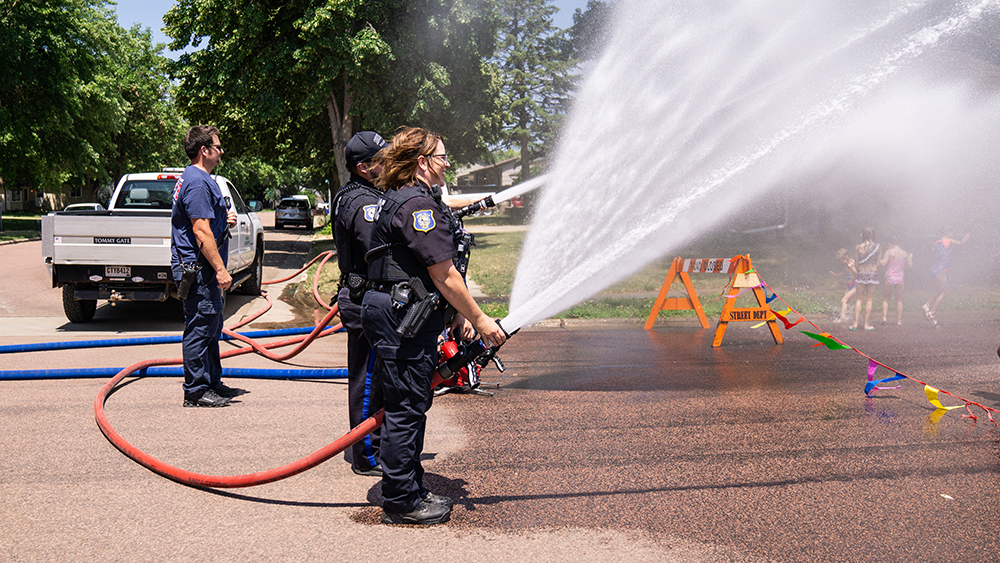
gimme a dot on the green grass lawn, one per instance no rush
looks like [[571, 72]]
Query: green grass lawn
[[19, 226], [796, 269]]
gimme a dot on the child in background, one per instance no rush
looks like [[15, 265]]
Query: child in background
[[867, 255], [896, 260], [939, 271], [852, 285]]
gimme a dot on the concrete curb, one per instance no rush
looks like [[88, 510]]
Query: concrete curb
[[17, 240]]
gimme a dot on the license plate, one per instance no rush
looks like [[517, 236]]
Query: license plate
[[117, 271]]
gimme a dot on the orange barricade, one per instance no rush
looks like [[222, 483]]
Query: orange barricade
[[743, 278], [682, 269]]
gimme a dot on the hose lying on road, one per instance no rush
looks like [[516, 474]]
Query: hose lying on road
[[175, 338], [137, 341], [240, 373], [235, 481], [252, 479]]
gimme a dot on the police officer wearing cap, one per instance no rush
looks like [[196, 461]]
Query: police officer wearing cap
[[411, 261], [353, 213]]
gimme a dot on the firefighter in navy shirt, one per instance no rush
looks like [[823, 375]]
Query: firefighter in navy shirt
[[412, 248], [199, 218]]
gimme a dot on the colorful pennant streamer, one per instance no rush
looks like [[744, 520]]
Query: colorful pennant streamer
[[874, 385], [826, 339], [782, 318], [742, 291], [932, 397]]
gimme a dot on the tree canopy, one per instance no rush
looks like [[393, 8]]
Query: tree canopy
[[536, 66], [82, 99], [291, 82]]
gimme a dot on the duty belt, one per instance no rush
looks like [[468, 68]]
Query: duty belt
[[383, 286]]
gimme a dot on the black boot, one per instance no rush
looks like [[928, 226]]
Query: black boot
[[425, 513]]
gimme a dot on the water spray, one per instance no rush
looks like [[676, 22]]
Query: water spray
[[500, 197], [727, 101]]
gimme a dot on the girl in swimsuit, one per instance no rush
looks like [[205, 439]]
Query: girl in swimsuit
[[866, 258], [895, 261]]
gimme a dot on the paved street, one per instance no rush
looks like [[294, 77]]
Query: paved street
[[604, 442]]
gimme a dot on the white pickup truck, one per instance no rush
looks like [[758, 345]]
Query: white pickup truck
[[123, 253]]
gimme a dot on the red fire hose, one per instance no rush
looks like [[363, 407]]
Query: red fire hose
[[234, 481], [252, 479]]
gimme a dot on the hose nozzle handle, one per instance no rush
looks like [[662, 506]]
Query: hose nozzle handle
[[484, 203], [509, 334]]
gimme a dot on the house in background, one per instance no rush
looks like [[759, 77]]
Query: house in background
[[19, 199], [31, 200], [490, 177]]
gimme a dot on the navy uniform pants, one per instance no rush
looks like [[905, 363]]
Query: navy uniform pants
[[364, 388], [406, 367], [202, 330]]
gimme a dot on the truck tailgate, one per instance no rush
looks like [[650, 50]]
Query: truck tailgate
[[133, 239]]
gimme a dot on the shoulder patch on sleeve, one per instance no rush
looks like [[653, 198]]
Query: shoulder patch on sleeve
[[370, 212], [423, 220]]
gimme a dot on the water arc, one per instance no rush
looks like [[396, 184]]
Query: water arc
[[696, 107]]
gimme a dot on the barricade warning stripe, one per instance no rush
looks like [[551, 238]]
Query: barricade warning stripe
[[709, 265]]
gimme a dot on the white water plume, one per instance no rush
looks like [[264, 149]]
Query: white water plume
[[696, 109]]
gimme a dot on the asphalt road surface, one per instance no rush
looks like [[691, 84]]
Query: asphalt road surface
[[604, 442]]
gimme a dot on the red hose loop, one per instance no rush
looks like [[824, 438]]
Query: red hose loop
[[319, 269], [220, 481], [317, 332], [252, 479], [326, 253]]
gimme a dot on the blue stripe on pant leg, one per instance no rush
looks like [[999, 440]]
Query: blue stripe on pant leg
[[366, 407]]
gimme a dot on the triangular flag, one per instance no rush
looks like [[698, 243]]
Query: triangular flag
[[828, 340], [788, 325], [873, 385], [932, 396]]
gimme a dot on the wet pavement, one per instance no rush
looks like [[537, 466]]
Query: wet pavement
[[771, 451], [604, 442]]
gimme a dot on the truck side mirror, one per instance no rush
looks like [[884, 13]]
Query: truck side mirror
[[255, 206]]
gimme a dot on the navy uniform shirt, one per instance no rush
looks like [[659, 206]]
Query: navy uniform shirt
[[424, 230], [354, 215], [196, 196]]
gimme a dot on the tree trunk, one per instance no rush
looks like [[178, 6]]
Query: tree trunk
[[525, 163], [341, 129], [523, 124]]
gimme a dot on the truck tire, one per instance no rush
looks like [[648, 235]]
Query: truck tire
[[252, 285], [77, 310]]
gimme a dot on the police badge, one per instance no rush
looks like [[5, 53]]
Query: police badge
[[423, 220], [370, 212]]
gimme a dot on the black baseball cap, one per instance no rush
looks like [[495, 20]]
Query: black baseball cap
[[363, 147]]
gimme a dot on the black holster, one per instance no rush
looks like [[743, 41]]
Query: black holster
[[188, 278], [423, 303]]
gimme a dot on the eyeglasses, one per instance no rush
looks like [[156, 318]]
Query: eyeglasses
[[216, 147], [443, 157]]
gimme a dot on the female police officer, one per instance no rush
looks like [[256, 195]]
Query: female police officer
[[411, 255]]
